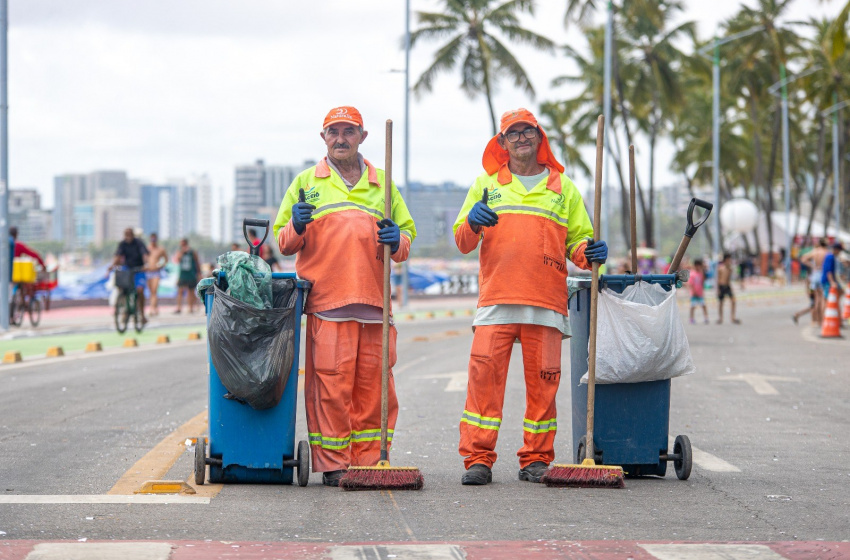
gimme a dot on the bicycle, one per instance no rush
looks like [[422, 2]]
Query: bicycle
[[126, 304], [24, 301]]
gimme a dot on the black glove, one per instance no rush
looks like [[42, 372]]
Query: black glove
[[302, 213]]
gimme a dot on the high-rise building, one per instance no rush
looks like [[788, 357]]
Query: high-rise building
[[434, 209], [107, 185], [260, 190], [203, 205], [24, 207], [68, 190], [112, 216]]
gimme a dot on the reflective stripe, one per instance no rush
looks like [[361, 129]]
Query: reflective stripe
[[534, 210], [543, 426], [479, 421], [370, 435], [328, 442], [346, 204]]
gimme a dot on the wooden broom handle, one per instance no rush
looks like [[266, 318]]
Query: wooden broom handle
[[632, 208], [385, 346], [594, 292]]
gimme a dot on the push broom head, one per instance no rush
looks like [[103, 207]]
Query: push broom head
[[382, 477], [586, 475]]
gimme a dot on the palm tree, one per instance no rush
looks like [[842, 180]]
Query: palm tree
[[657, 90], [482, 57]]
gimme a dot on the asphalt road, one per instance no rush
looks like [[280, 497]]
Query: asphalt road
[[768, 413]]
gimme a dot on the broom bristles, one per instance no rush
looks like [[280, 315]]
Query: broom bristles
[[584, 476], [382, 478]]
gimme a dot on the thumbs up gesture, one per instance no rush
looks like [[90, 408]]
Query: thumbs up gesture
[[302, 213], [481, 215]]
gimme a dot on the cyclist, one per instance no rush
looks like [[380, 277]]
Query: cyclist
[[17, 249], [131, 253]]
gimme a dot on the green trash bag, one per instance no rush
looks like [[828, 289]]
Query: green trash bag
[[249, 278]]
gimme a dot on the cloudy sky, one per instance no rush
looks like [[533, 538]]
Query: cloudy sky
[[168, 88]]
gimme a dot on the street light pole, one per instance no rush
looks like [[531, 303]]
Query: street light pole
[[5, 246], [715, 126], [835, 111], [606, 111], [782, 84], [405, 279], [786, 172]]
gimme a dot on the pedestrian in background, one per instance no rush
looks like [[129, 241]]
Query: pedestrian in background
[[696, 284], [831, 275], [156, 260], [528, 218], [188, 276], [814, 260], [332, 219], [724, 289]]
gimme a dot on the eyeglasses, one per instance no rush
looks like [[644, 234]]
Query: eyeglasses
[[513, 136]]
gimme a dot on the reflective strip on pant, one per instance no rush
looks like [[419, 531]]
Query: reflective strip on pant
[[550, 425], [328, 442], [370, 435], [479, 421]]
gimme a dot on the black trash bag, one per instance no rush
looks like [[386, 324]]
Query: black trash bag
[[253, 349]]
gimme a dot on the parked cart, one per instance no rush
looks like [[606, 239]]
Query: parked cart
[[246, 444], [631, 419]]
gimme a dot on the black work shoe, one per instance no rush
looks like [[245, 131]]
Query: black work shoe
[[477, 475], [533, 472], [331, 478]]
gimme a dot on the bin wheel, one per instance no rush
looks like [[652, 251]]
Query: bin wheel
[[581, 452], [303, 463], [682, 448], [200, 460]]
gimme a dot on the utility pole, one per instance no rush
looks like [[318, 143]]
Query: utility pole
[[5, 257]]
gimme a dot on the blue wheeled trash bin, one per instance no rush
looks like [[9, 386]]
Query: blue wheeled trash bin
[[630, 426], [248, 445]]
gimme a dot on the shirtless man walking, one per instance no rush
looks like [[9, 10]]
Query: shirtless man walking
[[814, 260], [156, 261], [724, 287]]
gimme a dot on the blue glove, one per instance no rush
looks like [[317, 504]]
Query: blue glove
[[481, 215], [596, 251], [302, 213], [389, 234]]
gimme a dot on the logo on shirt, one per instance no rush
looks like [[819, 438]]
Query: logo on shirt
[[559, 201], [493, 194], [311, 194]]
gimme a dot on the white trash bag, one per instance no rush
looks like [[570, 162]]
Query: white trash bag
[[640, 336]]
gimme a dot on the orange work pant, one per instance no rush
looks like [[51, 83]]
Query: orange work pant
[[485, 393], [342, 393]]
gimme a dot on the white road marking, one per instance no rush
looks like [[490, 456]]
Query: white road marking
[[759, 382], [397, 551], [457, 380], [103, 499], [711, 552], [90, 551], [706, 461]]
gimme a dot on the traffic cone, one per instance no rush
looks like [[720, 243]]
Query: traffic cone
[[831, 318], [846, 314]]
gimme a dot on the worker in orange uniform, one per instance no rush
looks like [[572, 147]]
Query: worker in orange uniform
[[529, 219], [332, 219]]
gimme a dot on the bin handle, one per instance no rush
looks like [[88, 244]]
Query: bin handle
[[255, 249], [690, 230]]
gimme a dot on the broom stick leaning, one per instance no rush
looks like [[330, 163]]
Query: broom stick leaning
[[383, 476], [589, 474]]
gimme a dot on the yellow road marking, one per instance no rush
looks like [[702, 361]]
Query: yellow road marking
[[159, 460]]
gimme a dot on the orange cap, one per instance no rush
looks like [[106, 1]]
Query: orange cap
[[343, 114], [510, 118], [496, 157]]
